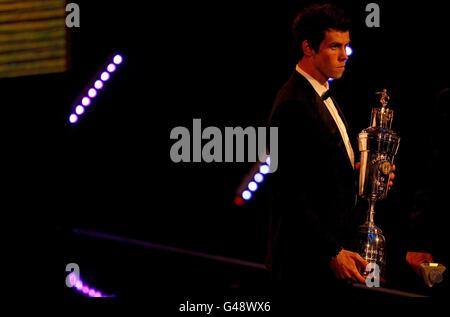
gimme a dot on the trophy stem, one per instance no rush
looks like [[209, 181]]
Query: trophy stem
[[371, 240], [371, 213]]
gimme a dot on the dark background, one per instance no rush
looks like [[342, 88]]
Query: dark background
[[223, 62]]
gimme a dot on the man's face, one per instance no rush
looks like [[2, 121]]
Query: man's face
[[331, 58]]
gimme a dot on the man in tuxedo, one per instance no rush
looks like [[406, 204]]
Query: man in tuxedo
[[314, 189]]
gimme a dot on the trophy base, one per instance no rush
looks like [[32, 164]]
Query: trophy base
[[372, 247]]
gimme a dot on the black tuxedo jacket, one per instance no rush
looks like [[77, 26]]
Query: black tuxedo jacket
[[314, 187]]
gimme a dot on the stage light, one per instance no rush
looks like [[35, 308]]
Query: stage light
[[252, 182], [117, 59], [264, 169], [252, 186], [111, 68], [258, 177], [86, 101], [104, 76], [238, 201], [84, 288], [73, 118], [98, 84], [246, 194], [92, 93], [72, 279], [79, 285], [348, 50], [79, 110]]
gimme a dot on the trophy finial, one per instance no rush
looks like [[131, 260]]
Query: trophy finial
[[384, 97]]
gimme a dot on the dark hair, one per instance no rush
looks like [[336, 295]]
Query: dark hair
[[312, 22]]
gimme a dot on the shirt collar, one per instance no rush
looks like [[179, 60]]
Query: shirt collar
[[319, 88]]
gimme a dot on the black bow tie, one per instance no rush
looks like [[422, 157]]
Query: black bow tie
[[327, 94]]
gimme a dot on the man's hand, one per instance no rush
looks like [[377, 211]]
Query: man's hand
[[391, 177], [391, 174], [347, 266], [415, 259]]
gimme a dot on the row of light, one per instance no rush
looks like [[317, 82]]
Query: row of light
[[83, 288], [92, 92], [254, 183]]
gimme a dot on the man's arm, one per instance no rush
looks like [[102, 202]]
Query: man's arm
[[347, 265]]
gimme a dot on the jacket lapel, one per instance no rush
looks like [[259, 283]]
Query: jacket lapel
[[340, 113], [304, 91], [331, 125]]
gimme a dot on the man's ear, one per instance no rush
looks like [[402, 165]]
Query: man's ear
[[307, 49]]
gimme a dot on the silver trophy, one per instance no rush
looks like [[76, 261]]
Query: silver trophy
[[378, 145]]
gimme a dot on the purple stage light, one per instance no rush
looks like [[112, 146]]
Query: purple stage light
[[84, 288], [72, 279], [79, 110], [118, 59], [73, 118], [111, 68], [92, 92], [105, 76], [98, 84], [86, 101]]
